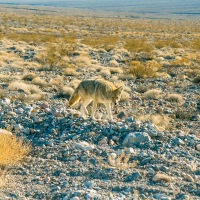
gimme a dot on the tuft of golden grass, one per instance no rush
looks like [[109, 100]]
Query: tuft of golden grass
[[138, 45], [161, 121], [107, 43], [12, 149], [70, 72], [28, 77], [153, 94], [143, 70], [175, 98], [21, 86]]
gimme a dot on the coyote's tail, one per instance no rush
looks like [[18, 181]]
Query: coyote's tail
[[74, 98]]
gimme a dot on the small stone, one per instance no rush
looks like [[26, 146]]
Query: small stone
[[136, 138], [134, 176], [84, 146], [178, 141], [151, 171], [18, 127], [44, 105], [198, 147], [88, 184], [162, 197], [103, 142], [5, 101], [121, 115]]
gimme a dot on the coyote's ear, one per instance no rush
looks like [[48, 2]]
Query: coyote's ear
[[120, 89]]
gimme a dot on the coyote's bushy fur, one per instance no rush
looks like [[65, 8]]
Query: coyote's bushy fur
[[96, 91]]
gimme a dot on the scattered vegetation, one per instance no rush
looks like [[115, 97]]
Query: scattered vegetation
[[153, 94], [107, 43], [175, 98], [143, 70], [13, 149]]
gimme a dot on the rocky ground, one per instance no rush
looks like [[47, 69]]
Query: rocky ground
[[150, 151], [76, 158]]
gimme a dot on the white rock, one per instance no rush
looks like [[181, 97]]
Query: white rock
[[84, 146]]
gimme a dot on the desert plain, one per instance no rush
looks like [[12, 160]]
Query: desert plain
[[151, 150]]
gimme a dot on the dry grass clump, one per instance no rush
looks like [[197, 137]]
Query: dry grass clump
[[5, 78], [56, 55], [28, 77], [125, 96], [162, 177], [21, 86], [116, 70], [70, 72], [65, 92], [12, 149], [40, 82], [57, 81], [105, 72], [107, 43], [161, 121], [35, 97], [153, 94], [175, 98], [82, 61], [181, 62], [168, 42], [114, 63], [138, 45], [143, 70]]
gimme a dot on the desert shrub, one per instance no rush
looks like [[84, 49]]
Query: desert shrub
[[55, 54], [175, 98], [21, 86], [116, 70], [153, 94], [35, 97], [196, 44], [57, 81], [28, 77], [168, 42], [82, 61], [161, 121], [138, 45], [107, 43], [114, 63], [30, 37], [125, 96], [4, 78], [65, 92], [143, 70], [40, 82], [70, 72], [105, 72], [181, 62], [12, 149]]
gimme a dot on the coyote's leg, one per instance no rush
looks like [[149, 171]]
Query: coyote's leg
[[84, 105], [94, 107], [108, 107]]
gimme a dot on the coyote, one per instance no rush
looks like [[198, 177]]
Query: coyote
[[98, 91]]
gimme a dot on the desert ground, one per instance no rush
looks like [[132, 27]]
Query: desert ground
[[151, 150]]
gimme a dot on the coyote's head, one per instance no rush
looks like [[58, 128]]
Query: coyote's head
[[115, 95]]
